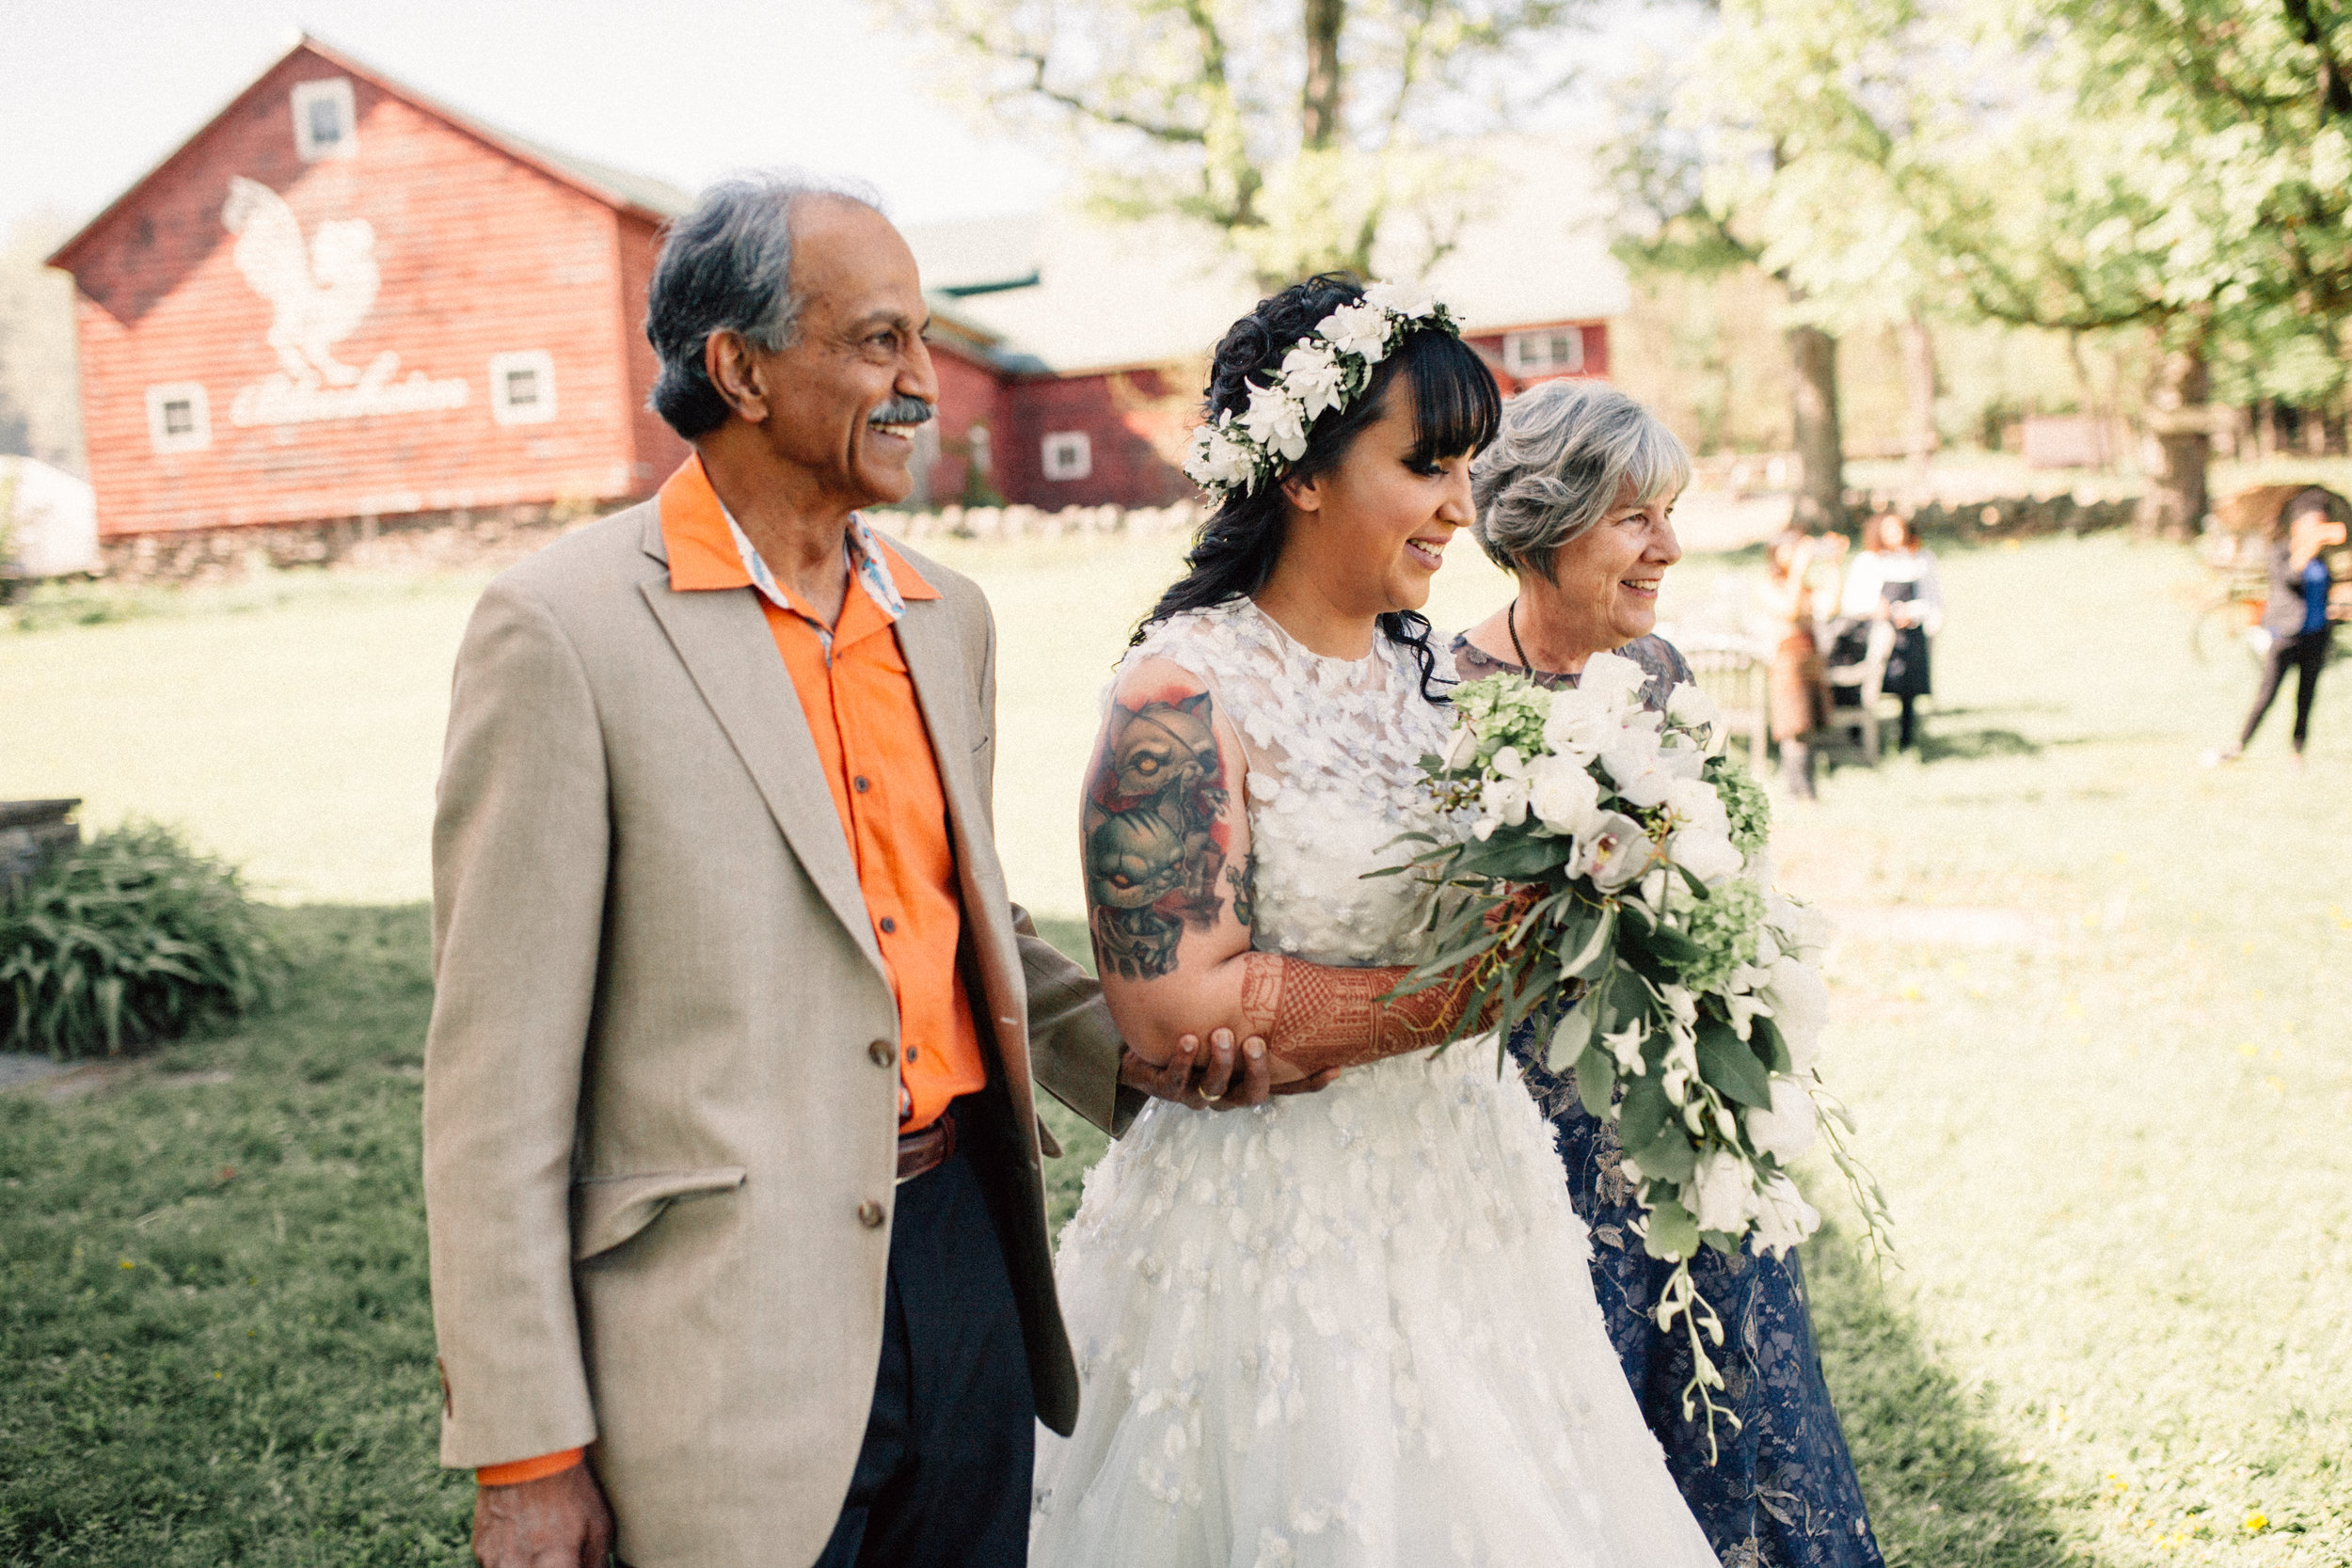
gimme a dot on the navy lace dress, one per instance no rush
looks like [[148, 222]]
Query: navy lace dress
[[1782, 1492]]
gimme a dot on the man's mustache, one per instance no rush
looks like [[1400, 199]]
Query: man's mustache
[[901, 411]]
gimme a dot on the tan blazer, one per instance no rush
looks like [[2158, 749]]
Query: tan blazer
[[659, 1099]]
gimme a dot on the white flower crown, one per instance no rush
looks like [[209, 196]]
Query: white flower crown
[[1325, 370]]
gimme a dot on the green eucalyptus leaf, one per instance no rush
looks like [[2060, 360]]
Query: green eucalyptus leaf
[[1643, 1114], [1729, 1067], [1569, 1039], [1672, 1232]]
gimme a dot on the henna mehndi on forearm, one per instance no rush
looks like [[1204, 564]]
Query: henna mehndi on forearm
[[1315, 1017]]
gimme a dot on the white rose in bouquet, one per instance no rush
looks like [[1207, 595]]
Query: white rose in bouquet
[[1800, 1001], [1709, 855], [1786, 1129], [1580, 722], [1615, 677], [1688, 707], [1783, 1217], [1696, 802], [1564, 797], [1635, 767], [1720, 1196]]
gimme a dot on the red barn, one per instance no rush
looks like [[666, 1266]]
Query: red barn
[[339, 299]]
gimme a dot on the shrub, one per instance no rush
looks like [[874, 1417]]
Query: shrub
[[132, 939]]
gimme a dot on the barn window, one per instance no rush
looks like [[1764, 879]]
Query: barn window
[[178, 417], [1068, 454], [1553, 351], [522, 387], [324, 125]]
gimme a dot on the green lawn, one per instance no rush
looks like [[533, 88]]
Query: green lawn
[[2088, 1011]]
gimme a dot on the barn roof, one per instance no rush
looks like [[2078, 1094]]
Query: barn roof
[[621, 189], [1065, 293]]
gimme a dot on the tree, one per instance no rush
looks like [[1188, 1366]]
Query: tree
[[1785, 146], [1304, 135], [40, 412]]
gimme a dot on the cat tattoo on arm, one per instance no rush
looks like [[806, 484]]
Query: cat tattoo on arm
[[1155, 834]]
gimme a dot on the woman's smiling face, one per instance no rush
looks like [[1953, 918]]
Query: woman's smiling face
[[1380, 519], [1606, 579]]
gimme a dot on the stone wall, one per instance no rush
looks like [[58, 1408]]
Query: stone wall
[[422, 542]]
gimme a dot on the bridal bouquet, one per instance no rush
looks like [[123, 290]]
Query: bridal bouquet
[[1615, 887]]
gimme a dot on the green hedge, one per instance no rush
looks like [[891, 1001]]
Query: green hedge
[[132, 939]]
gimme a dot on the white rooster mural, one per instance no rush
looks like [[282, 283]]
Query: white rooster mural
[[320, 293]]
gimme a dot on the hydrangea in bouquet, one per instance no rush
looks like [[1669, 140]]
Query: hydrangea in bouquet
[[1614, 886]]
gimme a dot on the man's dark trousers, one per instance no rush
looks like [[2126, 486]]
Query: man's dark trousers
[[943, 1479]]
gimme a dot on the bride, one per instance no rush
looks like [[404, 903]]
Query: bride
[[1354, 1326]]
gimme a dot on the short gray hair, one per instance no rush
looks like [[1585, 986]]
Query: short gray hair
[[726, 266], [1564, 449]]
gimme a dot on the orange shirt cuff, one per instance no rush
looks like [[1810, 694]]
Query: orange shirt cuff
[[521, 1470]]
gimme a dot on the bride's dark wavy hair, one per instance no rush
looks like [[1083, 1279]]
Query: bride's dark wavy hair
[[1457, 410]]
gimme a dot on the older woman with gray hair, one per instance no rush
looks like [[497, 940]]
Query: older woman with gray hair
[[1575, 500]]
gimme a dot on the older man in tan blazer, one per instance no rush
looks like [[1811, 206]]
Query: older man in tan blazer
[[732, 1164]]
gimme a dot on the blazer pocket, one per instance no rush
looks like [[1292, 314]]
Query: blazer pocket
[[608, 1210], [981, 744]]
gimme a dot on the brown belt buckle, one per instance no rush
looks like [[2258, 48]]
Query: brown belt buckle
[[923, 1151]]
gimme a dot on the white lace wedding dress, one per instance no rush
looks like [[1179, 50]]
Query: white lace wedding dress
[[1354, 1327]]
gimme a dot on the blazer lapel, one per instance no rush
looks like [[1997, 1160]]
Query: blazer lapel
[[724, 643], [943, 687]]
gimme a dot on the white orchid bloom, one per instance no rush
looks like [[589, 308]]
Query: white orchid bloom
[[1276, 421], [1682, 761], [1464, 751], [1409, 300], [1615, 852], [1564, 796], [1315, 375], [1615, 677], [1788, 1127], [1721, 1193], [1688, 707], [1359, 329], [1783, 1217], [1631, 760]]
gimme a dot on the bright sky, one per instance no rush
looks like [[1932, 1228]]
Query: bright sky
[[93, 93]]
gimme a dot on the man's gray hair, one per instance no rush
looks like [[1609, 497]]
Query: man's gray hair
[[1565, 450], [726, 266]]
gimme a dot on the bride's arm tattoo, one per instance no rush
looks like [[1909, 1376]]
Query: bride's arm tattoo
[[1156, 833], [1315, 1017]]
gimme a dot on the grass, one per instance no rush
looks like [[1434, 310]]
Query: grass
[[2088, 1010]]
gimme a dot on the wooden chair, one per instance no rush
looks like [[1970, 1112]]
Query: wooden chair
[[1856, 728], [1740, 680]]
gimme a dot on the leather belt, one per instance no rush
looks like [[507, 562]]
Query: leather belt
[[923, 1150]]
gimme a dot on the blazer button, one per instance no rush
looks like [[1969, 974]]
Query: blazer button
[[882, 1053], [869, 1214]]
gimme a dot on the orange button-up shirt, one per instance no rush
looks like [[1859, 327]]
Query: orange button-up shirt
[[876, 752]]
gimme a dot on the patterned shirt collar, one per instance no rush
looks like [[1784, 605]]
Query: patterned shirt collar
[[866, 567]]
